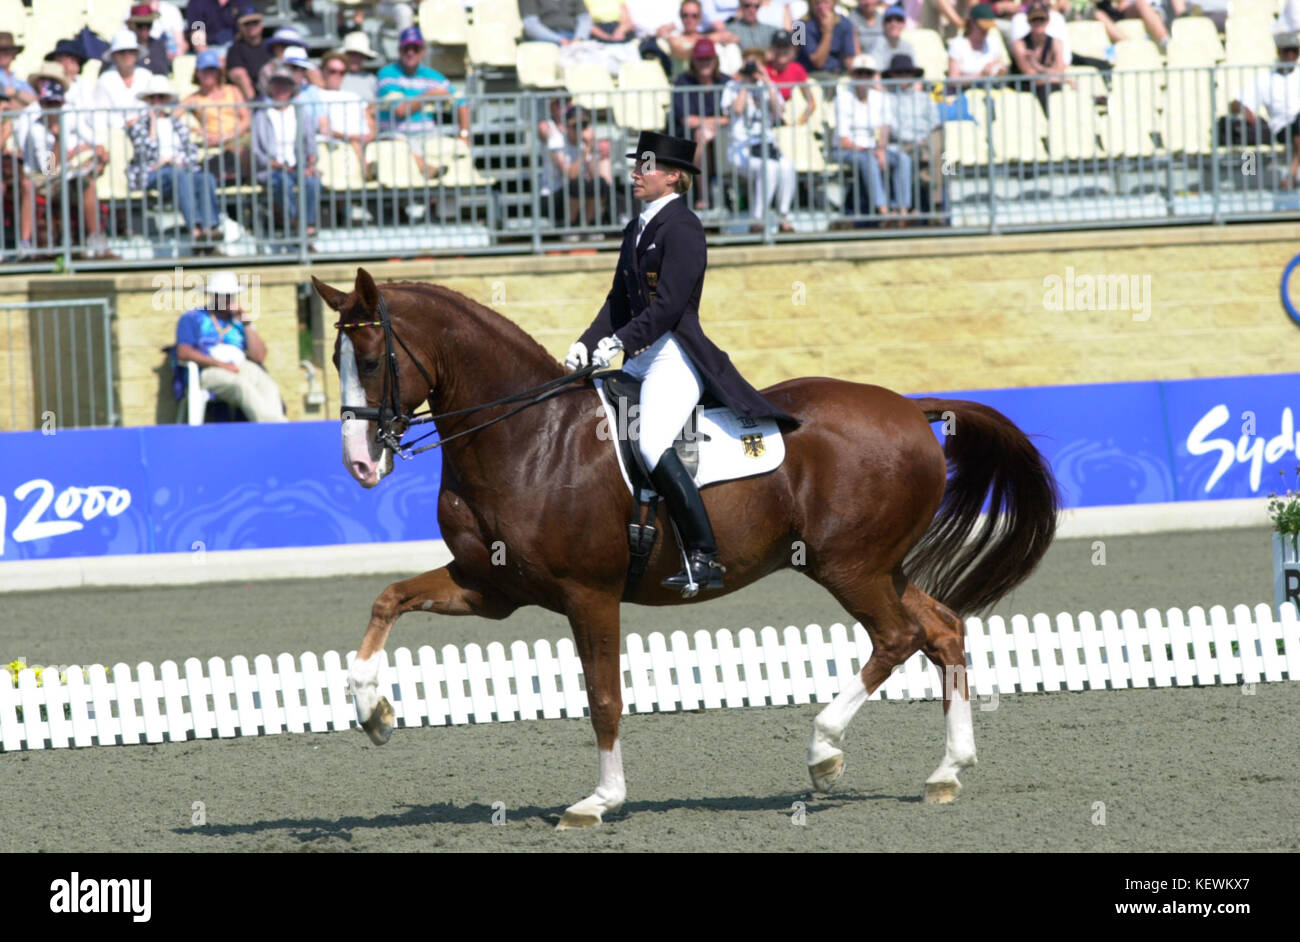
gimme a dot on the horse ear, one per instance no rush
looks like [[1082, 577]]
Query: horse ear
[[333, 297], [367, 290]]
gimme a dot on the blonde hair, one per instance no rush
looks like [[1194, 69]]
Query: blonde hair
[[683, 182]]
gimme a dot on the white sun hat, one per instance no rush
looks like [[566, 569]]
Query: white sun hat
[[157, 85], [124, 41], [223, 283], [297, 55]]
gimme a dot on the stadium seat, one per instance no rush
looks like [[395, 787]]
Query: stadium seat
[[1249, 42], [799, 143], [1132, 29], [589, 84], [112, 184], [1188, 54], [182, 77], [644, 96], [14, 17], [106, 17], [1072, 126], [538, 65], [90, 72], [1188, 116], [444, 22], [504, 12], [931, 53], [1088, 38], [491, 44], [999, 46], [1019, 129], [1232, 81], [797, 105], [1198, 30], [340, 170], [1130, 116], [395, 165], [1137, 54], [965, 143]]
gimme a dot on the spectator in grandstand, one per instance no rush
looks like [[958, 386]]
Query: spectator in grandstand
[[223, 118], [347, 117], [308, 98], [1278, 93], [359, 55], [751, 151], [152, 55], [218, 20], [681, 44], [117, 87], [829, 39], [868, 22], [610, 22], [223, 340], [280, 139], [407, 88], [165, 158], [749, 32], [15, 94], [784, 71], [863, 118], [1039, 57], [697, 115], [1108, 12], [891, 42], [248, 53], [281, 41], [917, 130], [70, 56], [582, 178], [652, 19], [555, 21], [58, 148], [169, 27], [971, 55]]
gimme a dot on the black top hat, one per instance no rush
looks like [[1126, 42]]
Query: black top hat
[[669, 151], [902, 66], [68, 47]]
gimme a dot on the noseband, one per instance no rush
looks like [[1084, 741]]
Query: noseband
[[394, 423]]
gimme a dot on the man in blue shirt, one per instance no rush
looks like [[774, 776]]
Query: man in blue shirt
[[219, 18], [829, 41], [16, 94], [405, 89], [223, 340]]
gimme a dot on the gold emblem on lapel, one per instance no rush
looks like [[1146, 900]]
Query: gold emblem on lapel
[[753, 444], [652, 279]]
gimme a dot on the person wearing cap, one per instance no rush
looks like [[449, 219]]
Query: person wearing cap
[[1278, 93], [281, 136], [916, 129], [15, 93], [152, 53], [863, 118], [224, 120], [652, 316], [117, 87], [58, 145], [222, 338], [555, 21], [70, 56], [308, 98], [281, 41], [785, 71], [971, 55], [829, 39], [408, 88], [1038, 56], [583, 181], [750, 150], [749, 32], [215, 20], [248, 54], [165, 158], [361, 59], [891, 42], [697, 115]]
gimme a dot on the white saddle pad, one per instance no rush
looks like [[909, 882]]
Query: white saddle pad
[[730, 446]]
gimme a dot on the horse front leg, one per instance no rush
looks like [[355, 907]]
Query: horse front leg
[[441, 592], [595, 622]]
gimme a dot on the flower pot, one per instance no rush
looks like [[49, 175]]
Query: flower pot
[[1286, 569]]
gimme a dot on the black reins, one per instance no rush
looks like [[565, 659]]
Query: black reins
[[394, 423]]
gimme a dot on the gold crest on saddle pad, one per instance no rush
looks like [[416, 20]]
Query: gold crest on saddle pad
[[652, 279], [753, 444]]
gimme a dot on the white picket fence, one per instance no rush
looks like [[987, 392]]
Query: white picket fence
[[765, 668]]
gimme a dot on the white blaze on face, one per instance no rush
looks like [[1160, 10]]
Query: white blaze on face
[[361, 454]]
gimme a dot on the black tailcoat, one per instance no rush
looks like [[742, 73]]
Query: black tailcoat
[[656, 289]]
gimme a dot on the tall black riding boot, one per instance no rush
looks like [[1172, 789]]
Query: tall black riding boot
[[673, 482]]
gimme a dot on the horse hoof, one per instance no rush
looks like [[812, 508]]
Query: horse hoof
[[380, 725], [578, 820], [827, 772], [940, 793]]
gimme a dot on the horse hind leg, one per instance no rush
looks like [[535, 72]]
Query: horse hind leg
[[945, 646], [895, 636], [438, 592]]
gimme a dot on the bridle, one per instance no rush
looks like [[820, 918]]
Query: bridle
[[394, 423]]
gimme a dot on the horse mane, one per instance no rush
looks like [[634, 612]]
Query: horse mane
[[518, 341]]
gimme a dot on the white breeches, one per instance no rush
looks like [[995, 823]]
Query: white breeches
[[670, 390]]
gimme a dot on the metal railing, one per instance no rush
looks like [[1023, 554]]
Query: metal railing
[[1087, 149], [56, 365]]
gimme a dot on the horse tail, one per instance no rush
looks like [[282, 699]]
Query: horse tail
[[988, 458]]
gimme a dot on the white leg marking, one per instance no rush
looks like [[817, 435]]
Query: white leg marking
[[829, 727], [610, 793], [960, 751], [363, 681]]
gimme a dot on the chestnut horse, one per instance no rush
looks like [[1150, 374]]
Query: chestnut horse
[[863, 504]]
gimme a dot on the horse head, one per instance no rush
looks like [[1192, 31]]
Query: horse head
[[361, 358]]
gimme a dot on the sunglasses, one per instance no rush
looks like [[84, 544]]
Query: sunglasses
[[690, 16], [333, 71], [895, 18]]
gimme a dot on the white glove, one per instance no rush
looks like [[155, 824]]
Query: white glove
[[606, 350], [577, 357]]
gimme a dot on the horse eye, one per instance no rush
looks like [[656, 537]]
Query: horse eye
[[369, 366]]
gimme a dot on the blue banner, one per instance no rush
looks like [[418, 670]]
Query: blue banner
[[170, 489]]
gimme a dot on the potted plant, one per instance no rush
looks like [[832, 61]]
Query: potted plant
[[1284, 511]]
